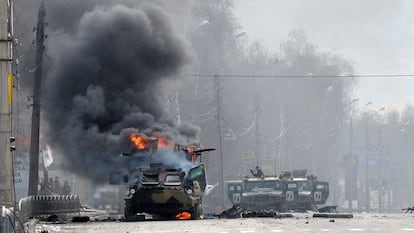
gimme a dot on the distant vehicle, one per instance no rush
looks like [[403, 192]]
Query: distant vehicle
[[106, 197], [257, 193], [290, 191], [304, 192], [166, 188]]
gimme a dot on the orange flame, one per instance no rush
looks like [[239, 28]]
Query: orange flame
[[164, 142], [192, 149], [184, 215], [141, 141]]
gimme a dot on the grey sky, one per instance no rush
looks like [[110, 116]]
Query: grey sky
[[376, 35]]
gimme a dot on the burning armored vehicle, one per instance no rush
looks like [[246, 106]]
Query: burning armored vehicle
[[165, 181]]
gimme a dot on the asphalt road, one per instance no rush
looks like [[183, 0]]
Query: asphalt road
[[389, 223]]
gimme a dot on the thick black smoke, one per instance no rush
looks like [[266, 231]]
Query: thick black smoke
[[110, 78]]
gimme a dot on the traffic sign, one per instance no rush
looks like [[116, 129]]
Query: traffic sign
[[248, 157]]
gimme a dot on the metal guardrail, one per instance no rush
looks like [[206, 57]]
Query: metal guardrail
[[34, 206]]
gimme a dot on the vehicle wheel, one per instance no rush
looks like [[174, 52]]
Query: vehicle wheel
[[196, 212], [282, 208], [128, 213], [165, 217]]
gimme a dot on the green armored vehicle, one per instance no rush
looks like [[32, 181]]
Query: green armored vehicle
[[304, 192], [168, 183], [257, 193], [166, 192], [292, 191], [234, 191]]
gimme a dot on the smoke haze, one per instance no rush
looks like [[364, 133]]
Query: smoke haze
[[108, 80], [111, 66]]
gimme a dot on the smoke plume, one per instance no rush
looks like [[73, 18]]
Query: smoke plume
[[109, 78]]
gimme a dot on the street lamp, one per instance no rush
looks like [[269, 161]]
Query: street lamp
[[367, 191], [219, 99], [326, 92], [240, 34], [381, 176], [351, 170], [205, 22]]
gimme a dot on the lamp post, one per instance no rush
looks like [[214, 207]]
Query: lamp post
[[199, 28], [217, 83], [219, 118], [351, 162], [380, 161], [326, 92], [351, 169], [367, 191]]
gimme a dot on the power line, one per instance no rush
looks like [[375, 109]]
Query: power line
[[306, 76]]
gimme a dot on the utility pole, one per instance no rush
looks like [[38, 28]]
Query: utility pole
[[351, 161], [34, 140], [381, 176], [6, 84], [367, 191], [258, 114], [350, 167], [217, 84]]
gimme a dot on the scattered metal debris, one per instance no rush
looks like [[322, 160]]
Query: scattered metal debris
[[239, 212], [408, 210], [81, 219], [333, 215]]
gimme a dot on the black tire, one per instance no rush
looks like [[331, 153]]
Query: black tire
[[165, 217], [128, 213], [282, 208], [196, 211]]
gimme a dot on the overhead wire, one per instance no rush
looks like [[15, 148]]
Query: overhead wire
[[28, 48], [306, 76], [209, 113], [248, 129], [206, 119]]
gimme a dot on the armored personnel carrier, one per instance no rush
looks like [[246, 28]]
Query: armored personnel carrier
[[163, 182], [258, 192], [304, 192], [293, 191]]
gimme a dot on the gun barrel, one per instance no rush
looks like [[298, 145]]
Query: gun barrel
[[204, 150]]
